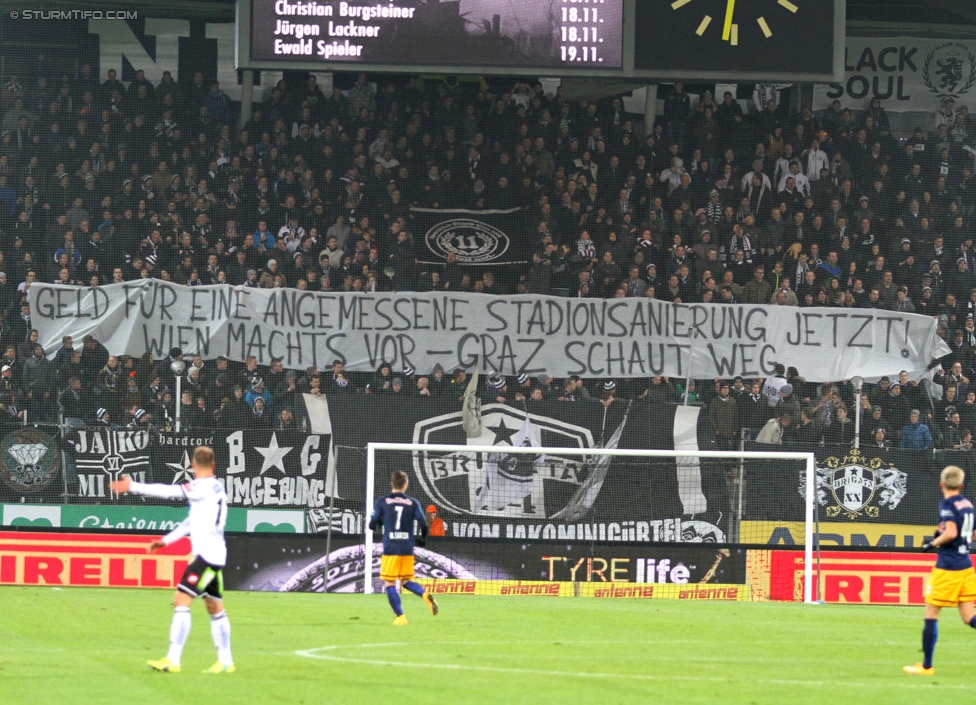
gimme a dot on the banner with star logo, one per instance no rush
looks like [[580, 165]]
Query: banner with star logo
[[516, 496], [258, 468]]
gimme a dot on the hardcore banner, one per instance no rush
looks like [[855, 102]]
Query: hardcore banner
[[473, 237], [258, 468], [302, 565], [635, 337], [537, 497], [906, 73]]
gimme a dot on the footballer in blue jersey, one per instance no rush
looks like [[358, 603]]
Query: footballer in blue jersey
[[396, 514], [953, 581]]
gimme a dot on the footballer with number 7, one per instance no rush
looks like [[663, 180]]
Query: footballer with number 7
[[953, 581], [204, 575], [396, 514]]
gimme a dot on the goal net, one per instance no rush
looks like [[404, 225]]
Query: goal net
[[526, 519]]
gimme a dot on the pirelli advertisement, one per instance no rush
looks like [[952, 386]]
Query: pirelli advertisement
[[844, 577], [89, 560]]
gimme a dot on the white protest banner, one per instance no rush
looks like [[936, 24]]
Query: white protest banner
[[636, 337], [906, 73]]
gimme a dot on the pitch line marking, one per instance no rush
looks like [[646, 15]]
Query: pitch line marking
[[322, 654]]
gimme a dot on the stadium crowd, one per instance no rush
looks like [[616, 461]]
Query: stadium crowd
[[105, 182]]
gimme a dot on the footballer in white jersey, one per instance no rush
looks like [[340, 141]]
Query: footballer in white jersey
[[203, 577], [206, 521]]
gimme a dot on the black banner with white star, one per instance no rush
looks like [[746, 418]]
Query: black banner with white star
[[258, 468], [585, 497]]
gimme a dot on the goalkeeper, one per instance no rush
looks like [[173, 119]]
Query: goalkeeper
[[396, 514], [953, 583]]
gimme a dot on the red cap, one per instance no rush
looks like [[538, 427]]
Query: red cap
[[431, 508]]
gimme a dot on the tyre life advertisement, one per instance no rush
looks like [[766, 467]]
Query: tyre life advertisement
[[301, 564]]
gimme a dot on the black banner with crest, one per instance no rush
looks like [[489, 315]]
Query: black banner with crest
[[475, 237], [867, 485]]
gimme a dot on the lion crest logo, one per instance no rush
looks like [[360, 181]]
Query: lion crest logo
[[949, 70], [854, 485]]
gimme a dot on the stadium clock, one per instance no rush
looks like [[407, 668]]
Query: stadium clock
[[730, 37], [730, 22]]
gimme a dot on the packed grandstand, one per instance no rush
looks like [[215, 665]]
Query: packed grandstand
[[104, 181]]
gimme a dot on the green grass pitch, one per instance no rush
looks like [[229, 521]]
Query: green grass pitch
[[83, 646]]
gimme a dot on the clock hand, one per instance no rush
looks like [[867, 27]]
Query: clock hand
[[729, 12]]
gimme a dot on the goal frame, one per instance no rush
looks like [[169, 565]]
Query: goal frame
[[809, 504]]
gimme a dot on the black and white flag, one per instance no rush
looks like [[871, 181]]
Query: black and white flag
[[476, 237], [101, 455], [544, 495]]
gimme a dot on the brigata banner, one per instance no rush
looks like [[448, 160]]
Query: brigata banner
[[906, 73], [475, 237], [859, 488], [635, 337], [587, 497]]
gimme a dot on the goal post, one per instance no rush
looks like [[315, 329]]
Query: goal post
[[741, 459]]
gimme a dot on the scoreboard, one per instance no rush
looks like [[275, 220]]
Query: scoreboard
[[464, 33], [770, 40]]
